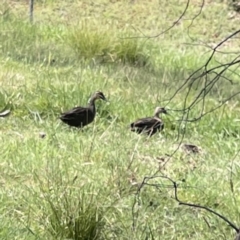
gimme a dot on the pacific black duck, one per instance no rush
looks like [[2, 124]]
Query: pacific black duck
[[149, 125], [82, 116]]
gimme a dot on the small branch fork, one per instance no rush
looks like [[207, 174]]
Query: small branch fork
[[202, 75], [175, 186]]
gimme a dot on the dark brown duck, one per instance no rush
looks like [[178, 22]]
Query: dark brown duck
[[82, 116], [149, 125]]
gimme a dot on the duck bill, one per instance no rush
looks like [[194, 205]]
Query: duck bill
[[166, 112], [103, 98]]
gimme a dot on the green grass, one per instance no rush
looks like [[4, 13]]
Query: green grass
[[81, 184]]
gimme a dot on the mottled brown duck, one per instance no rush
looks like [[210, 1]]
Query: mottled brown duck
[[82, 116], [149, 125]]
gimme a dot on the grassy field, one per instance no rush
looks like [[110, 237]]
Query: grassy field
[[82, 184]]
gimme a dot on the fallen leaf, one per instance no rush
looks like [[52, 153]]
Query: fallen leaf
[[5, 113]]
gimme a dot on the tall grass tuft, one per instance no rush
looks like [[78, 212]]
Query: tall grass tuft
[[105, 47], [69, 212]]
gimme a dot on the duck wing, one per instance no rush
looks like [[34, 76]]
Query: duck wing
[[78, 116], [149, 125]]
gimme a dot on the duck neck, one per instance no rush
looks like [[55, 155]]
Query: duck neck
[[92, 103]]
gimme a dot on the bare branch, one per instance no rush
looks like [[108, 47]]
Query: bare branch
[[174, 185]]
